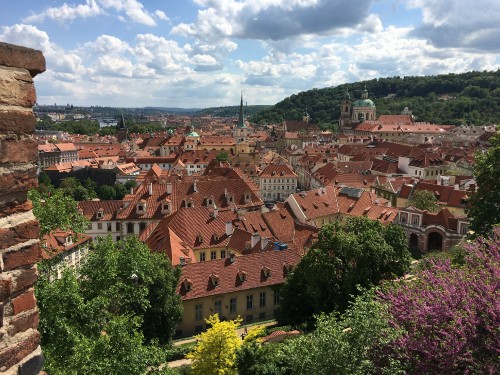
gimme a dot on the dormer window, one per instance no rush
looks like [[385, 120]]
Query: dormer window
[[230, 198], [415, 219], [214, 279], [165, 208], [242, 275], [69, 240], [100, 213], [141, 208], [215, 237], [188, 284], [266, 272], [247, 196], [199, 238], [189, 203]]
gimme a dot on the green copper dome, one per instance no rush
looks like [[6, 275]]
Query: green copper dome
[[193, 134], [363, 103]]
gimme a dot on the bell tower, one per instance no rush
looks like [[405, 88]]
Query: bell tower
[[345, 111]]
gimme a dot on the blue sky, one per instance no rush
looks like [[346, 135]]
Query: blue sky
[[202, 53]]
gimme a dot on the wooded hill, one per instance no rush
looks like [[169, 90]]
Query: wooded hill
[[231, 111], [466, 98]]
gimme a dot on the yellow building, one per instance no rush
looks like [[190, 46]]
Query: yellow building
[[246, 286]]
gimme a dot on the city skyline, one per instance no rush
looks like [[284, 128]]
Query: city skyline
[[203, 53]]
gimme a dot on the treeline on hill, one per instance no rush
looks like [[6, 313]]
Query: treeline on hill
[[232, 111], [91, 127], [455, 99]]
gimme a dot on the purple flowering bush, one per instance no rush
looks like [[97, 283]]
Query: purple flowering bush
[[448, 316]]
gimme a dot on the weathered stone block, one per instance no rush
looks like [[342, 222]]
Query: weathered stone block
[[15, 149], [16, 87], [17, 121], [22, 257], [24, 302], [22, 57]]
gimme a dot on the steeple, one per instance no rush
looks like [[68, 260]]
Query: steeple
[[241, 124]]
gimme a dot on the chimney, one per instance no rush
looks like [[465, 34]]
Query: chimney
[[169, 188], [216, 212], [231, 257], [264, 241], [225, 192], [150, 188], [229, 228], [255, 239], [195, 186], [131, 190]]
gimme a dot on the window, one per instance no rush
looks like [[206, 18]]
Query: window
[[198, 312], [118, 238], [404, 218], [99, 226], [218, 307], [198, 329], [415, 220], [250, 302], [130, 227], [249, 318], [262, 316], [276, 297], [222, 254], [232, 306], [464, 229], [118, 227], [89, 227], [262, 299], [213, 255], [202, 256]]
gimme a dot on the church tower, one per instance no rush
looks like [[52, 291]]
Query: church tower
[[122, 131], [345, 112], [241, 131]]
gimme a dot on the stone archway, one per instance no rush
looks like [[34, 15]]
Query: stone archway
[[435, 241]]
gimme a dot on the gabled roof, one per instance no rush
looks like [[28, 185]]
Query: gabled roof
[[276, 261]]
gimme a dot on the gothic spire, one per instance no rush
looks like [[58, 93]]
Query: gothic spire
[[241, 123]]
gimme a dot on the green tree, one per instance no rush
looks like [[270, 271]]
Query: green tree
[[423, 200], [484, 205], [132, 280], [120, 190], [216, 348], [344, 344], [357, 251], [107, 192], [57, 210], [223, 155], [101, 323], [72, 187]]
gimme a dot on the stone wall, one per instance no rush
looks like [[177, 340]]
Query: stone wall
[[20, 351]]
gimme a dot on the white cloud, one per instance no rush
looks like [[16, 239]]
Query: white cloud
[[161, 15], [67, 12], [460, 23], [133, 9]]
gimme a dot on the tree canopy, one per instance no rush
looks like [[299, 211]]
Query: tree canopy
[[484, 205], [114, 315], [357, 251], [57, 210], [423, 200]]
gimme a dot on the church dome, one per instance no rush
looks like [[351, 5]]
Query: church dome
[[364, 103], [193, 134]]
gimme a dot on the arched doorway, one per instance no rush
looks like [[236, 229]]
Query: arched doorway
[[413, 241], [434, 241]]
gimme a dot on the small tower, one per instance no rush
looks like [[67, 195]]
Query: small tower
[[306, 117], [122, 130]]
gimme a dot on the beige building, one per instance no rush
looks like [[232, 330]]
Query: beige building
[[246, 286]]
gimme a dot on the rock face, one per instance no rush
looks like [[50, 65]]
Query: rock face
[[20, 351]]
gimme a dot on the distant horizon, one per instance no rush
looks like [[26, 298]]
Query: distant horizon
[[202, 54]]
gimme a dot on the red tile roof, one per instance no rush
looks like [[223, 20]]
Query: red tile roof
[[199, 274]]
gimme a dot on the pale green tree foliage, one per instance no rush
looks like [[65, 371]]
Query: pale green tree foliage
[[423, 200], [344, 344], [57, 211], [216, 350]]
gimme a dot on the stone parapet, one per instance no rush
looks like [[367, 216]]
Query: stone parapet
[[20, 351]]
